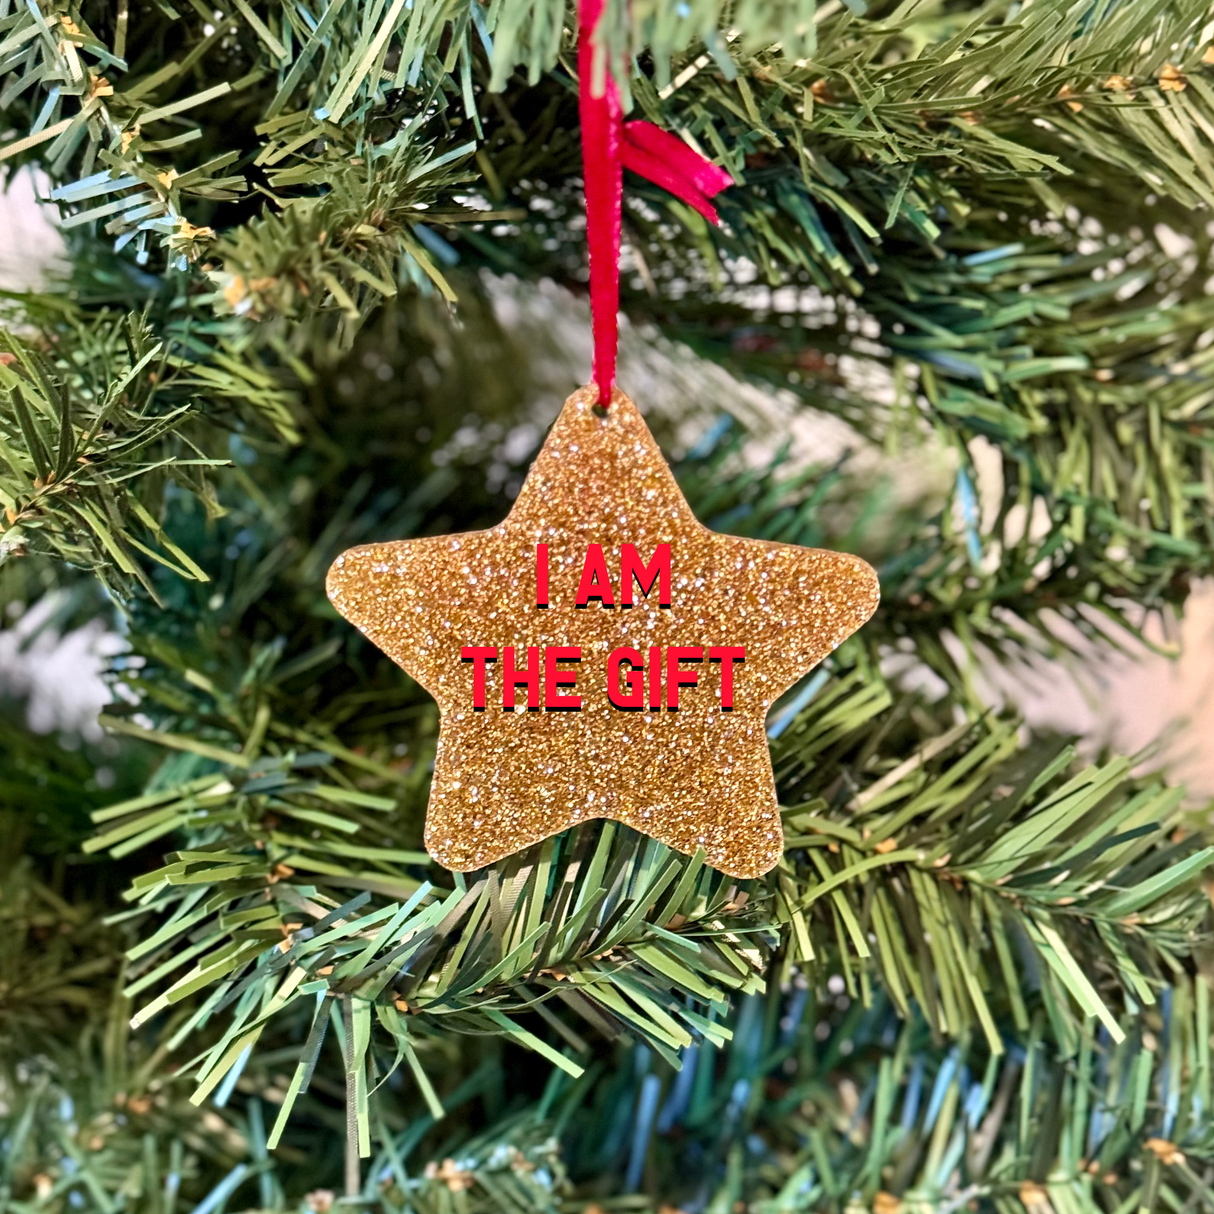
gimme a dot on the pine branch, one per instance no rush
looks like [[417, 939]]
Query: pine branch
[[57, 960], [1022, 341], [92, 1125], [343, 96], [1009, 864], [973, 869], [820, 1104], [265, 181], [999, 585], [814, 1104], [75, 432]]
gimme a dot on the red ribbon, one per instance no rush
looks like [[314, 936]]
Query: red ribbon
[[608, 145]]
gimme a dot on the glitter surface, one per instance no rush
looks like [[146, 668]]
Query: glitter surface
[[696, 778]]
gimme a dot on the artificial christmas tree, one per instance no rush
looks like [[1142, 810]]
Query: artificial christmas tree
[[232, 978]]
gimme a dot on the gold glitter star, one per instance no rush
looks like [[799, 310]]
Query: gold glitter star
[[695, 776]]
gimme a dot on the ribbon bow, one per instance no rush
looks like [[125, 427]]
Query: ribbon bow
[[609, 144]]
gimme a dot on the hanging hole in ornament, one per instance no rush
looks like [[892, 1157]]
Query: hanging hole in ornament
[[599, 410]]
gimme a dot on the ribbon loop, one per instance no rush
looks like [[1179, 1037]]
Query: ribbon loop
[[608, 146], [602, 170], [667, 161]]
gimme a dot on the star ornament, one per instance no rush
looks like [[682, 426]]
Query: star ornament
[[601, 654]]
